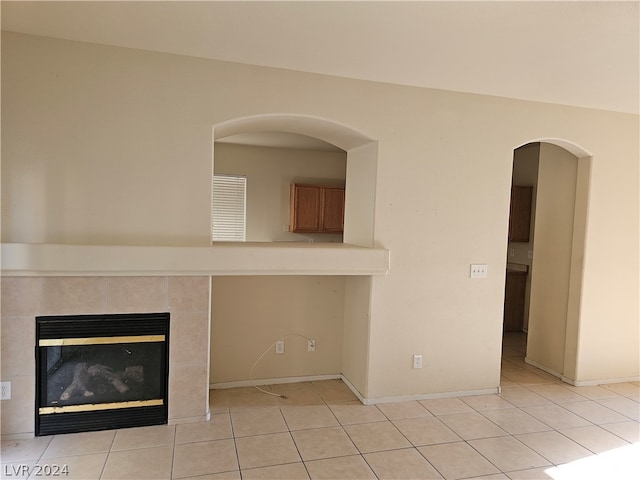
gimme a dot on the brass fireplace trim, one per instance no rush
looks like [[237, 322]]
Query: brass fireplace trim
[[91, 407], [100, 340]]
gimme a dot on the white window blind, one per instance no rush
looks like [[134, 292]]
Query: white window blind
[[228, 212]]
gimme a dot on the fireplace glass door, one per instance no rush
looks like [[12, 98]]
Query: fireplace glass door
[[97, 372]]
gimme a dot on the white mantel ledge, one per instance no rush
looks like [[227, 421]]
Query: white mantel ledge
[[279, 258]]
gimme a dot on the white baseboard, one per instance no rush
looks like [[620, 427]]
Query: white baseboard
[[533, 363], [272, 381], [429, 396], [580, 383], [353, 389], [363, 400], [606, 381], [182, 420]]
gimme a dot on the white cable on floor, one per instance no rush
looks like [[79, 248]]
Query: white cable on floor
[[264, 353]]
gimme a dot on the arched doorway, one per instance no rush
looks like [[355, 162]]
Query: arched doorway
[[555, 255]]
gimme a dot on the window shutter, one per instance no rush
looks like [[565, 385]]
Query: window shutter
[[228, 212]]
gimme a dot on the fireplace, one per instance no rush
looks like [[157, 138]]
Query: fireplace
[[98, 372]]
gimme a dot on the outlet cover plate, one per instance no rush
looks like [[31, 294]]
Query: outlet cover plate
[[5, 390], [417, 361], [279, 347], [479, 270]]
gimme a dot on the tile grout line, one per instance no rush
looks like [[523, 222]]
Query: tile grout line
[[235, 443], [106, 460]]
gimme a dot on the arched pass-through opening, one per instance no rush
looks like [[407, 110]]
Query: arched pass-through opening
[[360, 180], [362, 153], [558, 245]]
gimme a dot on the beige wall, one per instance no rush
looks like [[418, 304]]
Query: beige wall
[[108, 145], [357, 315], [551, 266], [269, 173], [250, 313]]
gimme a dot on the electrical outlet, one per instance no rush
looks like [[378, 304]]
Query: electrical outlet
[[280, 346], [311, 345], [5, 389], [479, 270], [417, 361]]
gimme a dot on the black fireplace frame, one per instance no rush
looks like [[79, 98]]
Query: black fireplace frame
[[101, 325]]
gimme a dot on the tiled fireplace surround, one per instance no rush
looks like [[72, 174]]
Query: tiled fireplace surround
[[185, 297]]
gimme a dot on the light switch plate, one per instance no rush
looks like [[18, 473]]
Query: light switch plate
[[479, 270]]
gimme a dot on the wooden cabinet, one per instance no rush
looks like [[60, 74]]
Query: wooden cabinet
[[520, 213], [514, 300], [316, 209]]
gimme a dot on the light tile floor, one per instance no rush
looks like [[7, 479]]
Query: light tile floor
[[537, 428]]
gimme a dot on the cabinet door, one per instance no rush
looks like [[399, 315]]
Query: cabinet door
[[514, 300], [305, 208], [332, 210], [520, 213]]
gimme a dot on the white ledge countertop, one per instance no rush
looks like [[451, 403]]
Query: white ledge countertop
[[233, 258]]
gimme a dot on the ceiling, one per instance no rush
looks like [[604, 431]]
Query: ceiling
[[580, 53]]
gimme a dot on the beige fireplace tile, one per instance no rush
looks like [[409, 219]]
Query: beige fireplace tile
[[19, 295], [188, 391], [137, 294], [18, 413], [189, 338], [189, 294], [18, 342], [73, 295]]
